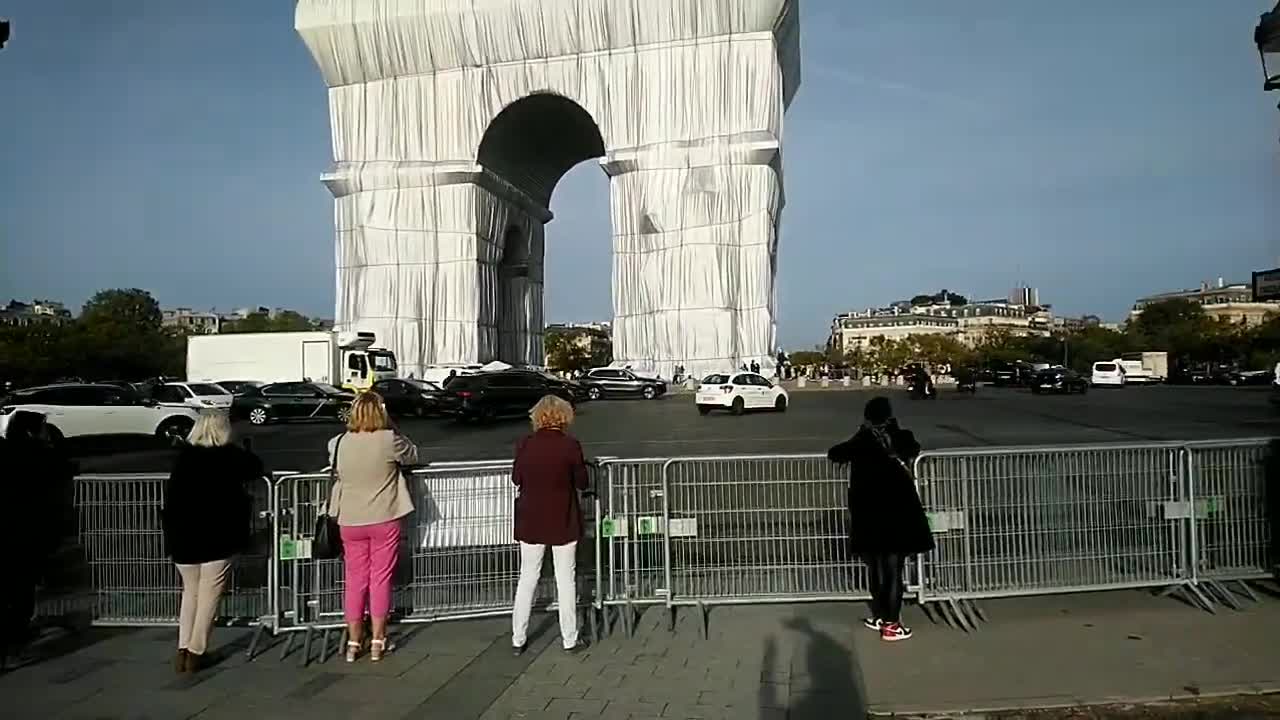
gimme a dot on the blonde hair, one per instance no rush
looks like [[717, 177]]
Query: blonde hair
[[212, 429], [368, 413], [551, 413]]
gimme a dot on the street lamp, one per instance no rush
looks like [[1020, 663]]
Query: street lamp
[[1267, 37]]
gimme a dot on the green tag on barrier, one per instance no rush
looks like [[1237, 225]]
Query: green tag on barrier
[[288, 548], [648, 526], [607, 528]]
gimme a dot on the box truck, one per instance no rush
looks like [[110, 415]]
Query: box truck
[[1144, 367], [347, 359]]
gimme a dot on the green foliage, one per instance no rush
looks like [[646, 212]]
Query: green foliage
[[574, 349], [805, 358], [284, 321]]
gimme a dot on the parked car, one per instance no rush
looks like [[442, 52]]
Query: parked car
[[83, 410], [239, 387], [419, 398], [1018, 374], [1059, 380], [194, 395], [618, 382], [1107, 374], [292, 401], [738, 393], [1237, 378], [485, 396]]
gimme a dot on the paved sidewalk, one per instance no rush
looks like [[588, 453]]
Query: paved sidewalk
[[762, 662]]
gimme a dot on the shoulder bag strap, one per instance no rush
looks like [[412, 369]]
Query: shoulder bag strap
[[334, 479]]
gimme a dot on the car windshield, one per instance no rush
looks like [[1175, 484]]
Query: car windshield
[[383, 361], [715, 380], [423, 385], [326, 388], [1105, 367], [206, 389]]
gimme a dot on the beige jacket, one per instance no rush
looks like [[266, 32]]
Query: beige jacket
[[370, 487]]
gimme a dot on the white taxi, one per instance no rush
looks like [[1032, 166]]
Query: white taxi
[[739, 392]]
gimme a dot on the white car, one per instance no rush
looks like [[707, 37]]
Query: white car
[[199, 396], [76, 410], [740, 392], [1107, 374]]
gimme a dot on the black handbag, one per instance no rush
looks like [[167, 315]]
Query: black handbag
[[326, 542]]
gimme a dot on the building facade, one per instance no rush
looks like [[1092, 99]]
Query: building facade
[[1227, 302], [191, 321], [969, 323], [36, 311]]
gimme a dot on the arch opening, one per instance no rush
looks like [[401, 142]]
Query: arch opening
[[531, 144]]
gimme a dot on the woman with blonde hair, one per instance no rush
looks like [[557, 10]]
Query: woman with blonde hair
[[207, 521], [369, 499], [549, 471]]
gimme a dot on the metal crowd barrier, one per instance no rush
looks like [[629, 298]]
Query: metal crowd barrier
[[697, 532]]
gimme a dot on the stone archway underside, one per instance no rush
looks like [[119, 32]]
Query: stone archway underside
[[452, 124]]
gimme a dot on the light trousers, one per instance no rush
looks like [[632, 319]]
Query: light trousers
[[564, 558], [201, 590]]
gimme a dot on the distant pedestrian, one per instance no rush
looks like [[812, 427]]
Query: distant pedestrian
[[887, 523], [207, 522], [549, 472], [755, 367], [370, 498]]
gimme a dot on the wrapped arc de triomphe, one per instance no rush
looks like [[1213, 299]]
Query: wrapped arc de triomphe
[[453, 120]]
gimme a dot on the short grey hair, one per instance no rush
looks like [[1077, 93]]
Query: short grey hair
[[212, 429]]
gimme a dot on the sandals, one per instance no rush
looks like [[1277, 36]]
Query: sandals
[[377, 647], [353, 650]]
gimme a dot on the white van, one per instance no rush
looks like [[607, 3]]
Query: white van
[[1107, 374]]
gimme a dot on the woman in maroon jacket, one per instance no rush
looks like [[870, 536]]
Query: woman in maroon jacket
[[549, 471]]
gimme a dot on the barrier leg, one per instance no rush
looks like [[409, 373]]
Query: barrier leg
[[1244, 585], [287, 647], [671, 618], [961, 617], [324, 645], [702, 616], [258, 632], [595, 625], [628, 620], [306, 647], [1216, 588]]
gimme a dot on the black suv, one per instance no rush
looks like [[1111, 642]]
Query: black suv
[[292, 401], [485, 396], [1059, 380], [614, 382]]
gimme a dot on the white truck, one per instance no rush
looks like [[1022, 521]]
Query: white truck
[[346, 359], [1144, 367]]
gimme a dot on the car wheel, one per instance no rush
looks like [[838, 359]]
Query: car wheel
[[739, 406], [704, 410], [780, 405], [174, 430], [649, 393], [258, 416], [344, 413], [593, 393]]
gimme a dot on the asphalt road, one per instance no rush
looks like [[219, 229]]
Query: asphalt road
[[671, 427]]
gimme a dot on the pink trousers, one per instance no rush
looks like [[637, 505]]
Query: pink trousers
[[369, 556]]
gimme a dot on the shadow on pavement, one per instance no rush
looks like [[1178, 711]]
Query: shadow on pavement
[[827, 684]]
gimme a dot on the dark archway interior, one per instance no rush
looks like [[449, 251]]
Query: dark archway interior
[[534, 141]]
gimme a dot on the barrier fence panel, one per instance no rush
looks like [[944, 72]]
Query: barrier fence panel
[[630, 560], [750, 529], [1025, 521], [133, 580], [1232, 534]]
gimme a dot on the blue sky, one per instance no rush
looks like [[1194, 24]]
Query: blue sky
[[1099, 150]]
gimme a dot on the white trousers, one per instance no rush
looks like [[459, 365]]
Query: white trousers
[[564, 558]]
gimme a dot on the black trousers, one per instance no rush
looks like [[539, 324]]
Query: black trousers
[[885, 572]]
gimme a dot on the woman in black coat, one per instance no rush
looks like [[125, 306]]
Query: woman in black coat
[[887, 523], [207, 522]]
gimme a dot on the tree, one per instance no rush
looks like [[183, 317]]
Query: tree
[[261, 321], [574, 349], [130, 310]]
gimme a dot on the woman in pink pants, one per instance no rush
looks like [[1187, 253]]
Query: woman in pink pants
[[369, 500]]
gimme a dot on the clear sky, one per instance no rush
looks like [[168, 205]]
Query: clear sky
[[1098, 150]]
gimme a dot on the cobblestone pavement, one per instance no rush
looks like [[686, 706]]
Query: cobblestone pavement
[[758, 663]]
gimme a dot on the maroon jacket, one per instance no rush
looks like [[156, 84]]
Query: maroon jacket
[[549, 470]]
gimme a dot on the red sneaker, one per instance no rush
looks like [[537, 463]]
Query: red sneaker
[[893, 632]]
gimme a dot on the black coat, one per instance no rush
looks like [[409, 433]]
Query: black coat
[[207, 506], [885, 514]]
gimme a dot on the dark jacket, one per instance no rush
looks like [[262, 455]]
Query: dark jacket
[[38, 489], [207, 506], [549, 471], [885, 514]]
